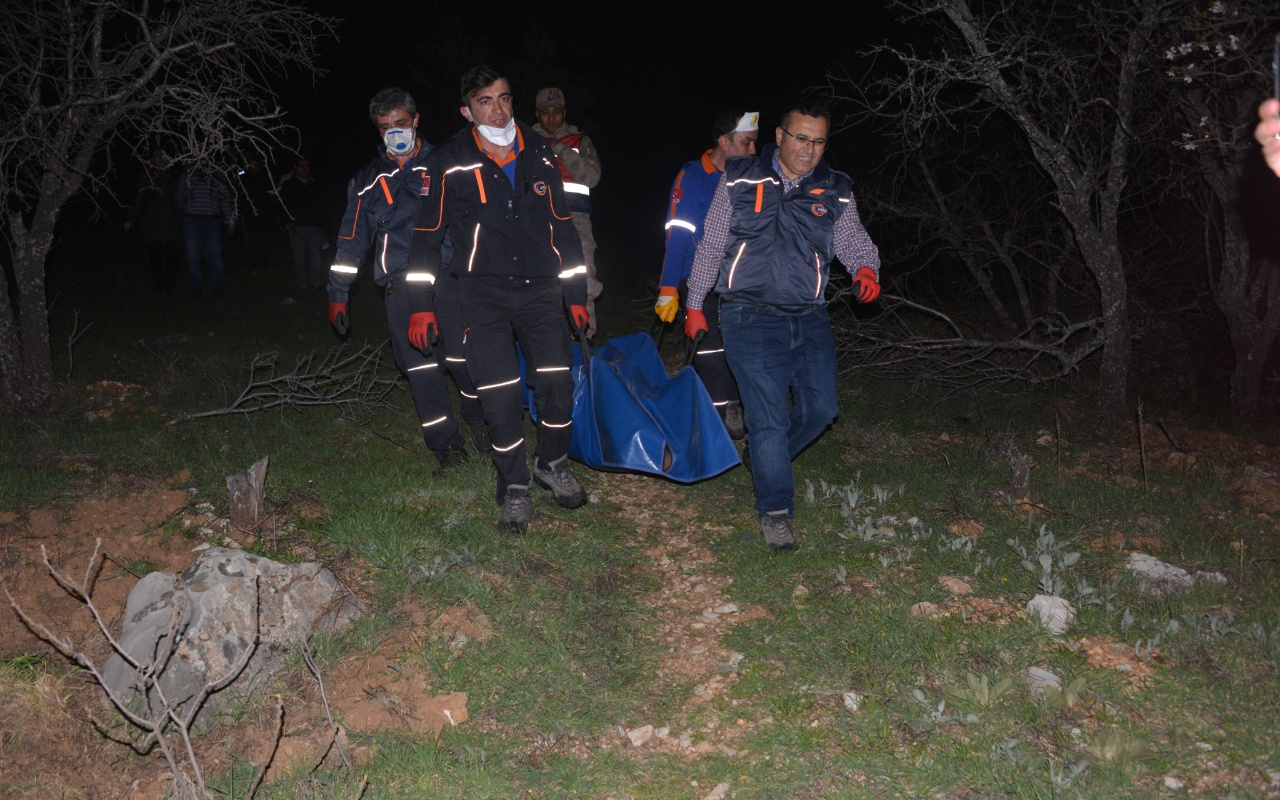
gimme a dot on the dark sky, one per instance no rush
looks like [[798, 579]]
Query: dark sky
[[645, 86]]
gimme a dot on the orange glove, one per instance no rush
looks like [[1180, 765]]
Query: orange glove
[[668, 303], [338, 318], [580, 317], [695, 322], [865, 285], [423, 331]]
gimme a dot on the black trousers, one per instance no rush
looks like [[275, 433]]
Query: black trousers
[[426, 374], [501, 311], [709, 361]]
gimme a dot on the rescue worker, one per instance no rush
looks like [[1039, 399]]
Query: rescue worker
[[580, 169], [496, 189], [775, 223], [735, 135], [381, 206]]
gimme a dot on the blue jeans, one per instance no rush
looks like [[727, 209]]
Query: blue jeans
[[785, 366], [203, 235]]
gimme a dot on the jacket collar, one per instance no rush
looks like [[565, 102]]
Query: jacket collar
[[818, 174]]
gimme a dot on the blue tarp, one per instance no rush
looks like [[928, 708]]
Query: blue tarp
[[629, 415]]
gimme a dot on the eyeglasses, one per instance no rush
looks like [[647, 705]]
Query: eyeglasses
[[803, 140]]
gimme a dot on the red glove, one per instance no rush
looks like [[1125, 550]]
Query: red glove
[[338, 318], [695, 322], [423, 331], [580, 317], [865, 285]]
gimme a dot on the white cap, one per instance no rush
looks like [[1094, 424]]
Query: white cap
[[750, 121]]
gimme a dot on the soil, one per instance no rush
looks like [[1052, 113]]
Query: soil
[[114, 530]]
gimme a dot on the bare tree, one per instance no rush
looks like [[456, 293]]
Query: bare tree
[[1063, 76], [1215, 57], [80, 75]]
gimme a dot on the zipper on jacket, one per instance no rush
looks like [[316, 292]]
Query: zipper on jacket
[[734, 265], [475, 245]]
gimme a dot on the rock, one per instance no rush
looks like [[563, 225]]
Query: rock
[[1158, 572], [1054, 613], [640, 736], [1173, 782], [925, 609], [852, 701], [954, 585], [1211, 577], [218, 601], [718, 793], [727, 608], [1043, 679], [800, 591], [662, 732]]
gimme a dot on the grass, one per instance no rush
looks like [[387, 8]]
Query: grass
[[576, 646]]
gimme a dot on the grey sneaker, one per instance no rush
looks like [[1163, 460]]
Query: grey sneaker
[[557, 477], [733, 421], [480, 438], [517, 507], [776, 528]]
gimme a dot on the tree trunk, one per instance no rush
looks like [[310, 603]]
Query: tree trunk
[[26, 359]]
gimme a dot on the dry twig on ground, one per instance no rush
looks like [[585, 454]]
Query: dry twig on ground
[[351, 382]]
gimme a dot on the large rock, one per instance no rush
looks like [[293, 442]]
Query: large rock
[[1053, 613], [217, 601]]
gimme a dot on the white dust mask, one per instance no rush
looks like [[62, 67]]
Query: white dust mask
[[499, 136], [399, 141]]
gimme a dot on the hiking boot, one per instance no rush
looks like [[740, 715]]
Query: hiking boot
[[449, 458], [776, 528], [480, 438], [557, 477], [733, 421], [517, 507]]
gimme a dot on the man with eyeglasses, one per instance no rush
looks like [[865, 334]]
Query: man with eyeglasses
[[735, 135], [774, 225]]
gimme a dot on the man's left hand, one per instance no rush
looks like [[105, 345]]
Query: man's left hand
[[580, 317], [423, 331], [865, 285]]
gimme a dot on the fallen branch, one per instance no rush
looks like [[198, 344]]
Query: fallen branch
[[351, 382]]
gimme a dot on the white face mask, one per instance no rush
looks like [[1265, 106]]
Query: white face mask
[[499, 136], [399, 141]]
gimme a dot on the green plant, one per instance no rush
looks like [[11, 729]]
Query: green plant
[[980, 691], [1066, 698], [1116, 746]]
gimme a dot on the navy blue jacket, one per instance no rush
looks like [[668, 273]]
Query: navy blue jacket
[[497, 229], [780, 245]]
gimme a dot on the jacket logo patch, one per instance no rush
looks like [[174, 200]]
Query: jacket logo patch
[[677, 194], [426, 185], [539, 188], [819, 210]]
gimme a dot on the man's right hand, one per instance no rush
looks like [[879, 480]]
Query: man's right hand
[[695, 322], [668, 304], [338, 318]]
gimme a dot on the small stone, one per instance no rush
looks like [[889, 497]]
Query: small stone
[[639, 736], [925, 609], [686, 739], [1212, 577], [954, 585], [1205, 746], [698, 649], [1054, 613], [708, 616], [1156, 571], [800, 591], [1173, 782], [1043, 679], [718, 793], [662, 732], [727, 608], [702, 748], [852, 701], [728, 751]]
